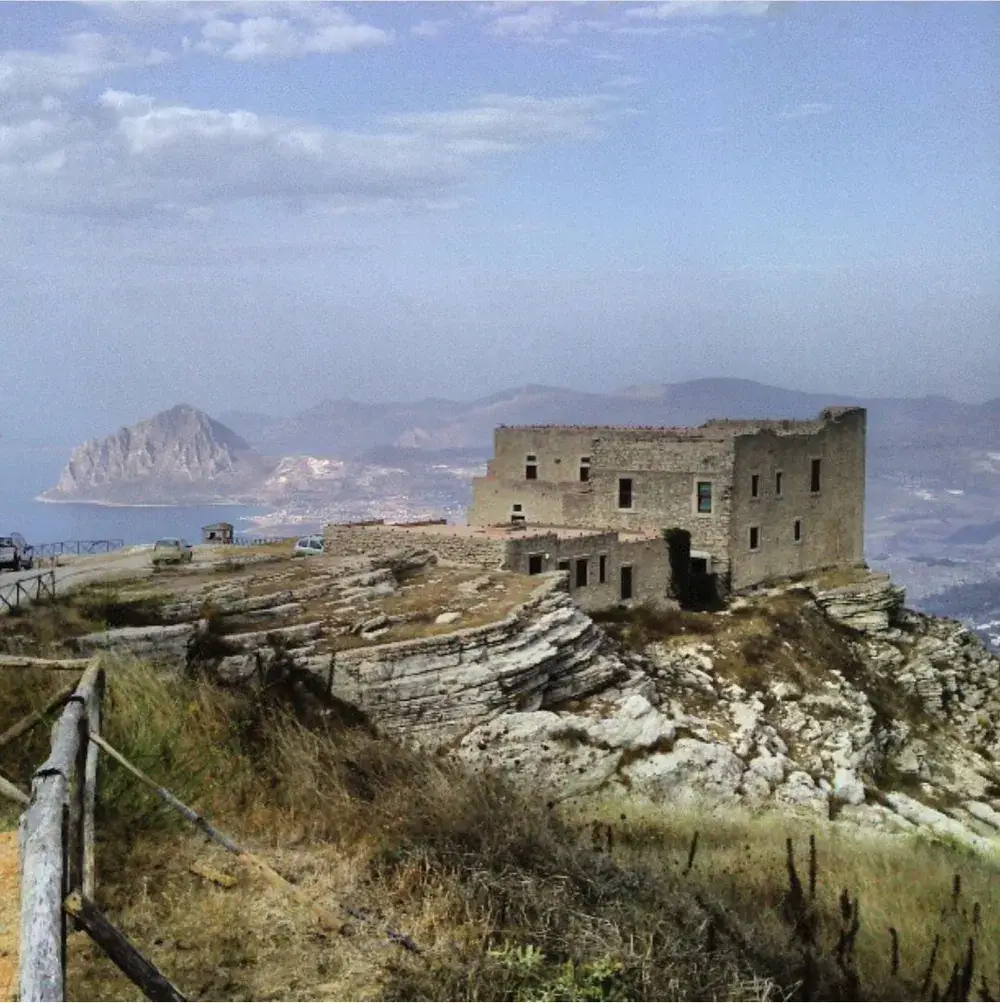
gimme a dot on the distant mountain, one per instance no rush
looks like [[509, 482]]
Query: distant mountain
[[249, 425], [177, 456], [903, 433]]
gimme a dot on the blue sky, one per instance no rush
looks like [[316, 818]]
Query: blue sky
[[259, 205]]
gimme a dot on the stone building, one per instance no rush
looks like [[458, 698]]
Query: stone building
[[761, 499]]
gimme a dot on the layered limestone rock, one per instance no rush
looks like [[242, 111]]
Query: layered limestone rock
[[920, 709], [858, 711], [434, 689]]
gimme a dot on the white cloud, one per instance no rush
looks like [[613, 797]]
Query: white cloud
[[429, 28], [519, 121], [27, 75], [321, 30], [537, 20], [810, 109], [698, 9], [131, 154]]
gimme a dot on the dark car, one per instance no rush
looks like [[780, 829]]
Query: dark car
[[15, 553]]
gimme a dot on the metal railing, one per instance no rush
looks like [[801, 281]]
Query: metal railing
[[77, 547]]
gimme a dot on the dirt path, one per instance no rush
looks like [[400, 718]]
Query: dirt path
[[10, 893]]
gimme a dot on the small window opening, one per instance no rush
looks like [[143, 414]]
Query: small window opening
[[581, 572], [534, 564], [704, 496], [584, 468], [815, 476], [755, 485], [777, 483], [602, 568], [699, 565], [624, 492], [531, 467], [797, 531], [755, 538]]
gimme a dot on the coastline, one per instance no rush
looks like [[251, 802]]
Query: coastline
[[109, 504]]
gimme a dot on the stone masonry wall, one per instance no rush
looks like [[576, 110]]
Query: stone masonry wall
[[664, 487], [558, 451], [648, 560], [832, 520], [544, 504], [450, 548]]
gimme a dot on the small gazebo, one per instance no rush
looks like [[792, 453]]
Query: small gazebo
[[218, 532]]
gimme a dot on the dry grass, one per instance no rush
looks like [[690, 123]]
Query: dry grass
[[508, 897], [23, 691]]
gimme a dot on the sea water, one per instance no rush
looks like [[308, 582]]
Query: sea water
[[26, 472]]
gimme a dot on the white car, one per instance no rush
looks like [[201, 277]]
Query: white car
[[308, 545], [15, 553], [172, 550]]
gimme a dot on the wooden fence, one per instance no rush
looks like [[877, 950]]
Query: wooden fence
[[57, 840], [57, 846], [34, 587], [57, 850]]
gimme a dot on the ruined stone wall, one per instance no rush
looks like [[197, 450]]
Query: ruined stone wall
[[665, 474], [558, 451], [832, 520], [648, 560], [449, 547], [493, 500]]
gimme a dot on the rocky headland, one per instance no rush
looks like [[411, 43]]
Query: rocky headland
[[828, 698]]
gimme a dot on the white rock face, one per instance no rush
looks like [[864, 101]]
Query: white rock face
[[180, 455]]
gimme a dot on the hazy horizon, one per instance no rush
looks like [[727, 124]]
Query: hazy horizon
[[258, 206]]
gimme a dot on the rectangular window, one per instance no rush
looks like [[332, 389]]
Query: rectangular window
[[814, 481], [534, 564], [704, 496], [797, 532], [777, 483], [563, 565], [581, 572], [531, 467], [517, 513], [755, 538], [602, 568], [624, 492], [517, 507], [755, 485], [625, 590], [584, 468]]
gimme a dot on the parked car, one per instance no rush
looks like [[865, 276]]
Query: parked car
[[16, 553], [172, 550], [308, 545]]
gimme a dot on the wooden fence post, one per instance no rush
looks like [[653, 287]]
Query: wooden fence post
[[42, 974], [53, 840], [93, 698]]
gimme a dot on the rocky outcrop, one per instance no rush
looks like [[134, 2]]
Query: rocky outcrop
[[180, 455], [870, 607], [906, 740], [434, 689]]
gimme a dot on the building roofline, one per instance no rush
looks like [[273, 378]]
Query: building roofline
[[723, 427]]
